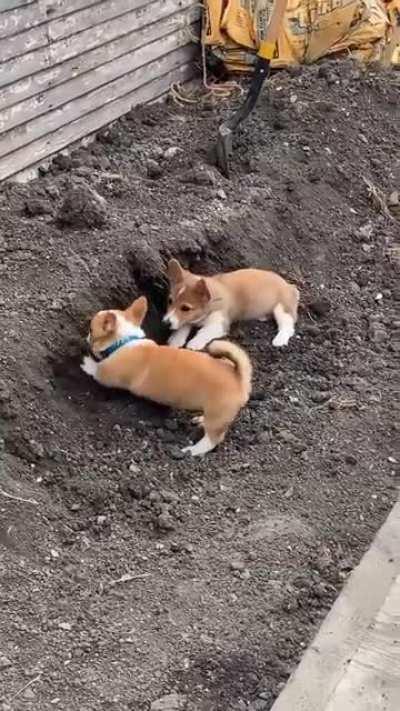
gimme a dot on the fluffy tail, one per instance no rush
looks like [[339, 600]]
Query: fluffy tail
[[240, 360]]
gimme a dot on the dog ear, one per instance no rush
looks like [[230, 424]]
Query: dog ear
[[109, 322], [201, 289], [138, 310], [175, 272]]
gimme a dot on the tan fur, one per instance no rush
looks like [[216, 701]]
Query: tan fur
[[235, 296], [215, 386]]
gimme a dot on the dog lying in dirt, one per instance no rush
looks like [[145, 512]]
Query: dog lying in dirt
[[216, 384], [213, 303]]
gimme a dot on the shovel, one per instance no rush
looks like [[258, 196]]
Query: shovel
[[261, 72]]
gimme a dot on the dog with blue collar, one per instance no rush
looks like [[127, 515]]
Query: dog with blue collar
[[217, 383]]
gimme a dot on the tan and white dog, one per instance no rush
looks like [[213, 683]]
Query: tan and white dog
[[213, 303], [216, 384]]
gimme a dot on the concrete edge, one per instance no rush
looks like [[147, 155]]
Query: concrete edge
[[325, 660]]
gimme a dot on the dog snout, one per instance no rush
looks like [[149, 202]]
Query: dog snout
[[171, 319]]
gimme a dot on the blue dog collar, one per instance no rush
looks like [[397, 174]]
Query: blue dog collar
[[118, 344]]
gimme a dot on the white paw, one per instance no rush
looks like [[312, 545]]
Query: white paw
[[201, 447], [198, 420], [177, 340], [197, 344], [281, 339], [89, 366], [192, 451]]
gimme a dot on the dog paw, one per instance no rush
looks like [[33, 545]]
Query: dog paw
[[196, 344], [281, 339], [89, 366], [177, 340], [198, 420]]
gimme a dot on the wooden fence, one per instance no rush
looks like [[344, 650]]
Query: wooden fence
[[69, 67]]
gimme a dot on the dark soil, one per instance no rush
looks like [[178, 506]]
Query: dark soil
[[132, 573]]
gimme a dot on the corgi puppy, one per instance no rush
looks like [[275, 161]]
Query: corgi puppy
[[212, 303], [216, 384]]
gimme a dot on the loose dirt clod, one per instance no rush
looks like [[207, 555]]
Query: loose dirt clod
[[303, 481], [82, 206]]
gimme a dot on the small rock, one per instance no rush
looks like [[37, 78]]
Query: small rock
[[29, 694], [320, 397], [238, 565], [165, 522], [66, 626], [171, 702], [154, 497], [154, 169], [394, 199], [37, 449], [137, 490], [169, 496], [366, 230], [172, 152], [4, 662], [200, 175], [133, 468], [221, 194], [101, 520]]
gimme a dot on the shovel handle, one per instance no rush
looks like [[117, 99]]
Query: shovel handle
[[261, 72]]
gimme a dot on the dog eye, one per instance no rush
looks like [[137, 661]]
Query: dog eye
[[170, 300], [186, 307]]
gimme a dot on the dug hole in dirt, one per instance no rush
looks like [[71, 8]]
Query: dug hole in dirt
[[133, 577]]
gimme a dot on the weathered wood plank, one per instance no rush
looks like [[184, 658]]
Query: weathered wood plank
[[51, 89], [138, 63], [27, 41], [85, 19], [117, 31], [58, 8], [23, 67], [90, 123], [11, 4], [23, 18]]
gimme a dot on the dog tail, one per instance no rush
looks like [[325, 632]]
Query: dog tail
[[240, 360]]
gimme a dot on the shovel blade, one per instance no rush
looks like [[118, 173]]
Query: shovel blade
[[224, 149]]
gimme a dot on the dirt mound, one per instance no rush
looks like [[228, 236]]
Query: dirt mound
[[130, 573]]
